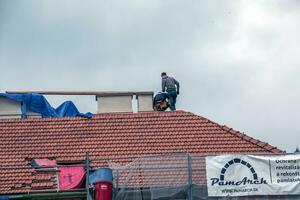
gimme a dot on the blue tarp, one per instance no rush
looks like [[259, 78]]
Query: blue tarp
[[38, 103]]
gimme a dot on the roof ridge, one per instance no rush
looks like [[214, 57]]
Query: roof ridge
[[40, 119], [95, 116]]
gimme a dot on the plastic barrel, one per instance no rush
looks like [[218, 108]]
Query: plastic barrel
[[105, 174], [102, 174], [103, 190]]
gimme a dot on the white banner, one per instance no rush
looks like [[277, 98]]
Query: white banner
[[244, 175]]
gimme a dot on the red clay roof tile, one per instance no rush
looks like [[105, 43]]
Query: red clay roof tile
[[110, 136]]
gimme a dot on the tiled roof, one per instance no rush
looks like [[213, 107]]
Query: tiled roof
[[109, 136]]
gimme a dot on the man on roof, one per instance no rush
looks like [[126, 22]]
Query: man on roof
[[171, 86]]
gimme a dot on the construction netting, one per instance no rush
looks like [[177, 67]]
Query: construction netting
[[171, 176]]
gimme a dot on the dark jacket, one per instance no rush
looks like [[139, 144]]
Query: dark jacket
[[169, 83]]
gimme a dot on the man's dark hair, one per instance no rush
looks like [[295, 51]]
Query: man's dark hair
[[163, 74]]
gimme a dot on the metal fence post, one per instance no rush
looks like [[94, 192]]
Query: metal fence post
[[190, 177]]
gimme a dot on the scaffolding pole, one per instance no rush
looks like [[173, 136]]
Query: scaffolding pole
[[190, 177], [87, 186]]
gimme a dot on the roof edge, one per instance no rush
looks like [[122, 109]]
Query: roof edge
[[252, 140], [264, 145]]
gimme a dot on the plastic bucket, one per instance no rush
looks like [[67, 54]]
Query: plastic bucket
[[102, 174]]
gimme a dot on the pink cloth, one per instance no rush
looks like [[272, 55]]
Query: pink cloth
[[45, 162], [71, 177]]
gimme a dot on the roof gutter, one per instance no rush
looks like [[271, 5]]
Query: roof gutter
[[48, 195]]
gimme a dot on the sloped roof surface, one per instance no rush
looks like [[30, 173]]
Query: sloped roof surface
[[109, 136]]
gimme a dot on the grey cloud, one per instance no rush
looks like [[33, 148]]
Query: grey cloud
[[237, 61]]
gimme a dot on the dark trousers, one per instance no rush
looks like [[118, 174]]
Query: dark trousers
[[172, 95]]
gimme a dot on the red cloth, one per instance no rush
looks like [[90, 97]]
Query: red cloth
[[71, 177]]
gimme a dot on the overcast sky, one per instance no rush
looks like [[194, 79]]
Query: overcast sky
[[238, 61]]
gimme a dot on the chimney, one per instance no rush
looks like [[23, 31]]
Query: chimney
[[144, 101], [111, 102], [114, 102]]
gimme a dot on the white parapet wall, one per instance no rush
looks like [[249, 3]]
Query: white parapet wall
[[9, 108], [12, 109]]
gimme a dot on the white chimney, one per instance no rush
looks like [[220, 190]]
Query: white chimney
[[144, 101], [114, 102], [110, 102]]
